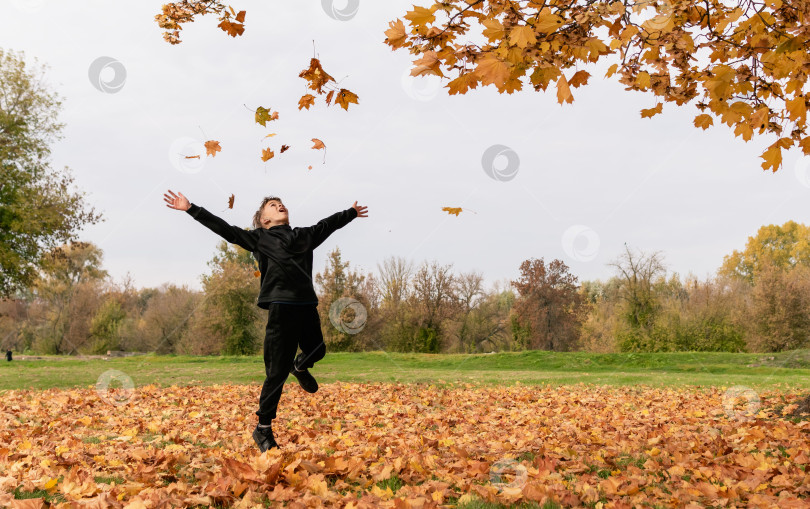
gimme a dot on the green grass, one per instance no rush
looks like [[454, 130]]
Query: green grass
[[758, 371]]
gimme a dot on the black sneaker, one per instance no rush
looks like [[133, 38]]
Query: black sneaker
[[305, 379], [264, 438]]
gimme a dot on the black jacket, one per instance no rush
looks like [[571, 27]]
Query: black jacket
[[284, 253]]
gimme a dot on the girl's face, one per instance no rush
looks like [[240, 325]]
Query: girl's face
[[274, 213]]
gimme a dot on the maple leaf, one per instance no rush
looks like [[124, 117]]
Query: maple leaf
[[420, 16], [269, 135], [230, 202], [452, 210], [192, 157], [212, 147], [395, 36], [329, 97], [267, 154], [703, 121], [344, 97], [318, 144], [263, 115], [579, 78], [233, 29], [522, 36], [306, 101], [649, 112], [563, 92], [284, 148], [315, 75]]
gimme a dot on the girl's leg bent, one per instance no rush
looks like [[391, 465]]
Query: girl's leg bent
[[311, 341]]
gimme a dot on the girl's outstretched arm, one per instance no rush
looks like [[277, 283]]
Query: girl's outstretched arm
[[247, 239]]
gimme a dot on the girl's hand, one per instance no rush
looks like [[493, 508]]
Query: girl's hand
[[177, 202], [361, 210]]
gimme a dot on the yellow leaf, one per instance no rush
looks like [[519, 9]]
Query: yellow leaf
[[522, 36], [548, 22], [452, 210], [611, 70], [563, 91], [50, 484], [494, 30], [396, 35], [643, 80], [649, 112], [704, 121], [420, 16], [492, 70]]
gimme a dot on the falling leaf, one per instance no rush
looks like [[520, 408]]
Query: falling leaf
[[318, 144], [649, 112], [309, 167], [306, 101], [452, 210], [284, 148], [233, 29], [315, 75], [263, 115], [703, 121], [269, 135], [267, 154], [212, 147], [329, 97], [230, 202], [193, 157], [344, 97], [563, 91]]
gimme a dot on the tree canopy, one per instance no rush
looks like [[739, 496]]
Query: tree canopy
[[745, 63], [38, 212]]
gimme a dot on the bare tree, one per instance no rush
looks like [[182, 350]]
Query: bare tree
[[638, 273], [394, 280]]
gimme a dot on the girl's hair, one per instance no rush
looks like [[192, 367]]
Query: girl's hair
[[257, 217]]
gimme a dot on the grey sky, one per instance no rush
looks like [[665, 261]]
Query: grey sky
[[405, 151]]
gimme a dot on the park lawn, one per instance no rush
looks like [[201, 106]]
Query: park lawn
[[779, 371]]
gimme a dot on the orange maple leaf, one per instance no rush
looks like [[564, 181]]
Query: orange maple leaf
[[233, 29], [306, 101], [318, 144], [267, 154], [212, 147], [344, 97], [452, 210], [230, 201], [283, 148]]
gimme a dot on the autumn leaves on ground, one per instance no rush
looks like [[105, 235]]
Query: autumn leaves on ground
[[403, 446]]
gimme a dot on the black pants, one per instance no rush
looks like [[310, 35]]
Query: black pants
[[288, 327]]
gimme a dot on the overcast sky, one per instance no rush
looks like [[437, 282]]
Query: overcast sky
[[573, 181]]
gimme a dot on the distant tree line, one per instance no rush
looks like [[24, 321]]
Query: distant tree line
[[758, 301]]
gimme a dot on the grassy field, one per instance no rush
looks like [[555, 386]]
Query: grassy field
[[785, 370]]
